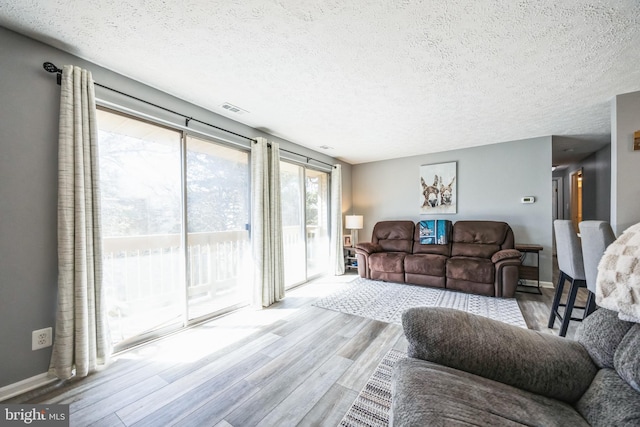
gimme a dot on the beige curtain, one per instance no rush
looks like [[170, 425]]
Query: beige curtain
[[266, 223], [337, 251], [81, 343]]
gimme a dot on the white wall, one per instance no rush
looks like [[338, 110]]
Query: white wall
[[490, 182], [625, 163]]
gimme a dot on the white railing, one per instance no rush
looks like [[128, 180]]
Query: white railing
[[216, 260], [148, 270]]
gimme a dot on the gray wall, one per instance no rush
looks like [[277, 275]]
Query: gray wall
[[29, 110], [625, 191], [596, 185], [602, 166], [491, 180]]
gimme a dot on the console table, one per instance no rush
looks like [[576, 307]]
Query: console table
[[529, 272]]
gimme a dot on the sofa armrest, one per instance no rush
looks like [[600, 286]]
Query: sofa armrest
[[363, 250], [506, 254], [368, 248], [540, 363], [507, 263]]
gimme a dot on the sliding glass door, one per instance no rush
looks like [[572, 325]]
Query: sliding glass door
[[140, 177], [175, 215], [305, 208], [293, 223], [218, 250], [317, 221]]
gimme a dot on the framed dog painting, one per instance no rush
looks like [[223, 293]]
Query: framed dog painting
[[438, 188]]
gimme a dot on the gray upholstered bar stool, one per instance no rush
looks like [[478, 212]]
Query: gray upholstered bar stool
[[570, 264], [595, 236]]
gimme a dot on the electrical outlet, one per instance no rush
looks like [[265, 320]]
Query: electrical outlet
[[41, 338]]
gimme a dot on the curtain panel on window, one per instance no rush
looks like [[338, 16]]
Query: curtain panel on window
[[337, 251], [81, 342], [266, 223]]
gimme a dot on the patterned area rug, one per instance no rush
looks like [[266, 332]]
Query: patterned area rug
[[372, 406], [386, 301]]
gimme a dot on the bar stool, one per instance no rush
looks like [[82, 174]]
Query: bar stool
[[595, 236], [571, 266]]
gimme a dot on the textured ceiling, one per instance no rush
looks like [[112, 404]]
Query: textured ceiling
[[372, 80]]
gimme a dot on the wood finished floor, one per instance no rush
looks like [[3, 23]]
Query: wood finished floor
[[292, 364]]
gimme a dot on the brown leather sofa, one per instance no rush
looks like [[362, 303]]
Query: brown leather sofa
[[480, 257]]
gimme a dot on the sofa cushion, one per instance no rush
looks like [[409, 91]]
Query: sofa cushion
[[394, 236], [480, 239], [427, 264], [388, 262], [485, 232], [480, 270], [610, 401], [475, 250], [540, 363], [627, 357], [427, 394], [600, 334]]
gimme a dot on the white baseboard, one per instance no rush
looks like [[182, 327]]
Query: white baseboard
[[15, 389]]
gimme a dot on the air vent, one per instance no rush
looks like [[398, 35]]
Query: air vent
[[233, 109]]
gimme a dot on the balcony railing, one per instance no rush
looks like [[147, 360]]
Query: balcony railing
[[144, 269], [144, 275]]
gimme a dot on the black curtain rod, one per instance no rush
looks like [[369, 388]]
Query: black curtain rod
[[51, 68], [307, 157]]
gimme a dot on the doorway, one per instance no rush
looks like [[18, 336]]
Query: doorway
[[576, 199], [557, 198]]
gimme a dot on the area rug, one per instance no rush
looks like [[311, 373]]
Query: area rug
[[372, 406], [386, 301]]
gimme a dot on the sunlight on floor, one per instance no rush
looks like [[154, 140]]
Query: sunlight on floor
[[197, 342]]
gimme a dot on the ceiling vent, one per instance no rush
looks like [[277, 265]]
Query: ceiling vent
[[233, 109]]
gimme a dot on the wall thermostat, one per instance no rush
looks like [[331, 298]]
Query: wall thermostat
[[528, 199]]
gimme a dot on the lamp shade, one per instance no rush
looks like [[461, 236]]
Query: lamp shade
[[353, 222]]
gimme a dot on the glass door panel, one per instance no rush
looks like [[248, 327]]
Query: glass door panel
[[140, 179], [305, 221], [218, 250], [293, 229], [317, 222]]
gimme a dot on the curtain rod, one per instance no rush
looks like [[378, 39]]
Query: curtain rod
[[51, 68]]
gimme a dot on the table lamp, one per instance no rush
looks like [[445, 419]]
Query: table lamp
[[355, 223]]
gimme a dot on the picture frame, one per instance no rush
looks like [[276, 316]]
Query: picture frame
[[438, 188], [347, 240]]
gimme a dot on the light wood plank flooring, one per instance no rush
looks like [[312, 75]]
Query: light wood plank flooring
[[291, 364]]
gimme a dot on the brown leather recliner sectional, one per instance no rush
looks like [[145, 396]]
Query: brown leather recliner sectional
[[480, 257]]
